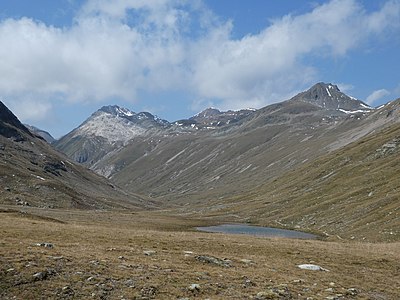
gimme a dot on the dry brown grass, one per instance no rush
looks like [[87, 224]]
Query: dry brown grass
[[100, 255]]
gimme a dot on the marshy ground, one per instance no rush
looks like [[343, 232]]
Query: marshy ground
[[151, 255]]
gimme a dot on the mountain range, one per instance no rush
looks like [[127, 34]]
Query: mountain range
[[32, 173], [205, 154], [321, 161]]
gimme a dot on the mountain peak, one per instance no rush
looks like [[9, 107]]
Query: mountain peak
[[117, 111], [207, 113], [328, 96], [324, 85]]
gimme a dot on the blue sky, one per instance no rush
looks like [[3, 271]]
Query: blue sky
[[62, 60]]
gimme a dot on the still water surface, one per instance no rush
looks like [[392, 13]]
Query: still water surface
[[258, 231]]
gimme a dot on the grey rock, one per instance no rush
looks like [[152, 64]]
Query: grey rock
[[130, 283], [44, 274], [149, 252], [194, 287], [352, 292], [45, 245], [214, 260], [276, 292], [247, 261], [312, 267], [66, 292]]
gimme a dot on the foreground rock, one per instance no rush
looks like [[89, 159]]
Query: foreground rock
[[276, 292], [312, 267], [214, 260]]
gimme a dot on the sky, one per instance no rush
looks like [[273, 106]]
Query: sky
[[62, 60]]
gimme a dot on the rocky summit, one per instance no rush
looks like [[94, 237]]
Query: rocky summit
[[328, 96]]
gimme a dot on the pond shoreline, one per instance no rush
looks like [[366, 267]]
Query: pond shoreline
[[258, 231]]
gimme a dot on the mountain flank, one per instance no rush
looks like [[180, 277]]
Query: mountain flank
[[177, 165], [32, 173], [217, 171]]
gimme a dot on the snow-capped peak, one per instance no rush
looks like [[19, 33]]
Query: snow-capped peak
[[117, 111], [111, 127], [125, 111]]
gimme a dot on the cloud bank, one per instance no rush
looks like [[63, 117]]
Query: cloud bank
[[119, 49]]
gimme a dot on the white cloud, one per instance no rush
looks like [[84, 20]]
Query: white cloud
[[117, 49], [30, 109], [376, 95], [262, 68]]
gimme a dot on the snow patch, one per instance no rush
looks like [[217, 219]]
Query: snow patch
[[349, 112], [124, 112], [365, 106], [327, 90], [175, 156], [379, 107], [38, 177]]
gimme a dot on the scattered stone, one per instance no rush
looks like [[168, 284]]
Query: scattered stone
[[44, 275], [194, 287], [329, 290], [312, 267], [56, 257], [21, 202], [30, 264], [266, 295], [297, 281], [352, 292], [248, 283], [332, 284], [66, 292], [247, 261], [130, 283], [188, 252], [10, 270], [45, 245], [214, 260], [149, 292], [121, 257], [149, 252], [278, 292]]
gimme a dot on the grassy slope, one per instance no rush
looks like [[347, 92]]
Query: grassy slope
[[100, 255], [351, 193]]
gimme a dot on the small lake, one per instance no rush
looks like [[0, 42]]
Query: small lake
[[257, 231]]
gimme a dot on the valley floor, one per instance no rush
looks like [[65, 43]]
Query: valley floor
[[67, 254]]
